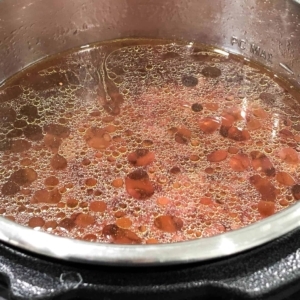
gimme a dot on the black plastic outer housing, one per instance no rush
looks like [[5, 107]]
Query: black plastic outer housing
[[271, 271]]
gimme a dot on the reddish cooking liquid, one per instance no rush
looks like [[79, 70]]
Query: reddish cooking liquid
[[146, 141]]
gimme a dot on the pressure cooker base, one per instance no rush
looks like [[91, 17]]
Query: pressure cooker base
[[271, 271]]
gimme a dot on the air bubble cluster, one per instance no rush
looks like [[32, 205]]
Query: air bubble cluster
[[146, 141]]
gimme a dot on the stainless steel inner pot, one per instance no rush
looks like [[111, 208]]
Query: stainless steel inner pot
[[264, 31]]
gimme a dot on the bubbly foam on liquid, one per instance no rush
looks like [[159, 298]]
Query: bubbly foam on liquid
[[146, 141]]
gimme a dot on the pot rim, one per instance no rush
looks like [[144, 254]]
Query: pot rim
[[202, 249]]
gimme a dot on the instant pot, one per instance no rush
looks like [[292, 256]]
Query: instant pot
[[260, 261]]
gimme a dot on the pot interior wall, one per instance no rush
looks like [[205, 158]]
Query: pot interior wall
[[266, 31]]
